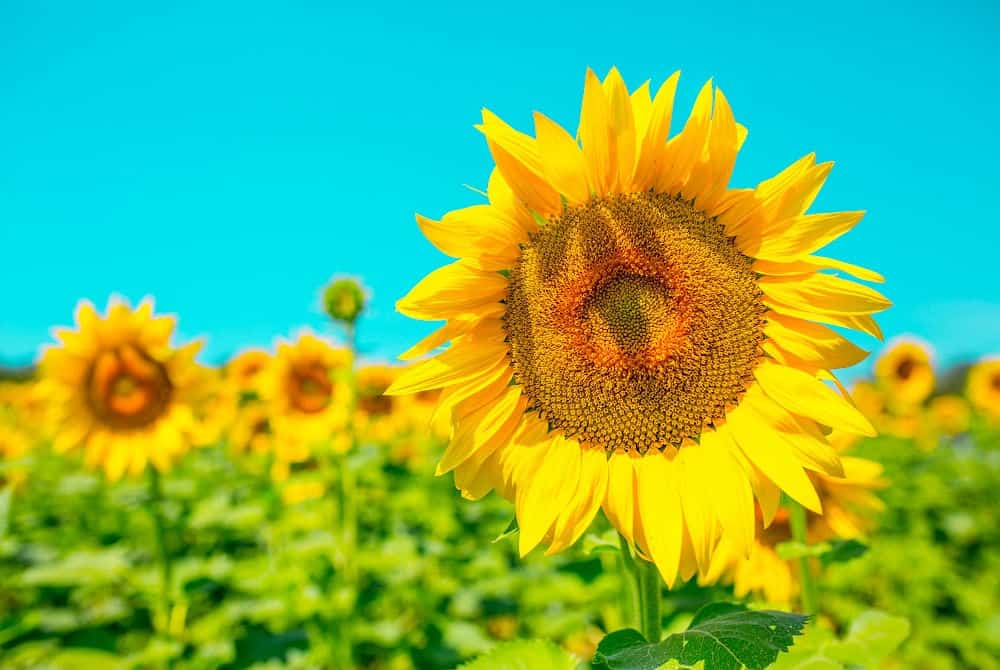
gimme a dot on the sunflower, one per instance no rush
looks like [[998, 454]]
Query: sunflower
[[906, 372], [119, 390], [243, 369], [306, 396], [250, 431], [849, 506], [14, 446], [949, 414], [628, 332], [378, 417], [983, 386]]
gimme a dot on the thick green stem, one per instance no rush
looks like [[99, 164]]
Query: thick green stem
[[648, 579], [797, 518], [629, 601]]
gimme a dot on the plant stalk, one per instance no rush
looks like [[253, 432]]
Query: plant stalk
[[649, 584], [797, 519]]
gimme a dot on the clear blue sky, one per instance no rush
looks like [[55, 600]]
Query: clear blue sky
[[228, 158]]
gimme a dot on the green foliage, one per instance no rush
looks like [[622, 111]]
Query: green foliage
[[722, 636], [524, 655], [872, 637], [935, 557], [259, 583]]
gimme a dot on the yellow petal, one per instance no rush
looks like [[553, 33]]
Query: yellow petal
[[516, 156], [861, 322], [660, 513], [759, 444], [449, 331], [697, 481], [619, 500], [811, 343], [805, 234], [595, 136], [686, 148], [481, 233], [562, 160], [547, 492], [801, 393], [453, 290], [466, 359], [579, 513], [653, 153], [622, 124], [733, 499], [824, 293], [484, 429]]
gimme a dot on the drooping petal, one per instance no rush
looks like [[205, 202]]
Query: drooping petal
[[801, 393]]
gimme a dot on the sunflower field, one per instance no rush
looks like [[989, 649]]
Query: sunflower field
[[626, 447]]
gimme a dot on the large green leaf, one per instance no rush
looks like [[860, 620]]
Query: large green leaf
[[724, 636], [524, 655], [872, 637]]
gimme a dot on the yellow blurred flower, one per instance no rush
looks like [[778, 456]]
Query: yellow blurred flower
[[120, 390], [905, 371], [983, 386], [306, 397], [251, 430], [949, 414], [243, 369], [214, 409], [294, 493]]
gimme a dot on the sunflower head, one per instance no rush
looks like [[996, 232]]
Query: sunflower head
[[949, 414], [121, 390], [630, 333], [983, 386], [372, 382], [243, 369], [906, 372], [344, 300], [306, 394]]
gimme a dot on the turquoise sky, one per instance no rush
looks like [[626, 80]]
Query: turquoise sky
[[228, 158]]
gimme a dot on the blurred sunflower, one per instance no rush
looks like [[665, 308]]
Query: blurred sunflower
[[949, 414], [251, 430], [243, 369], [378, 417], [906, 372], [14, 445], [983, 386], [849, 508], [306, 397], [120, 390], [628, 332]]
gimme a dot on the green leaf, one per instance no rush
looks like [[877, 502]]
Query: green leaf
[[508, 531], [606, 542], [838, 551], [724, 636], [793, 549], [842, 551], [872, 637], [524, 655]]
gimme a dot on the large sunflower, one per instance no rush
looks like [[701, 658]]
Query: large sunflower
[[120, 390], [983, 386], [304, 391], [628, 332], [906, 372]]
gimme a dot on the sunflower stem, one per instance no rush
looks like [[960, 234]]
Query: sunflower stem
[[797, 518], [629, 601], [155, 505], [648, 580]]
